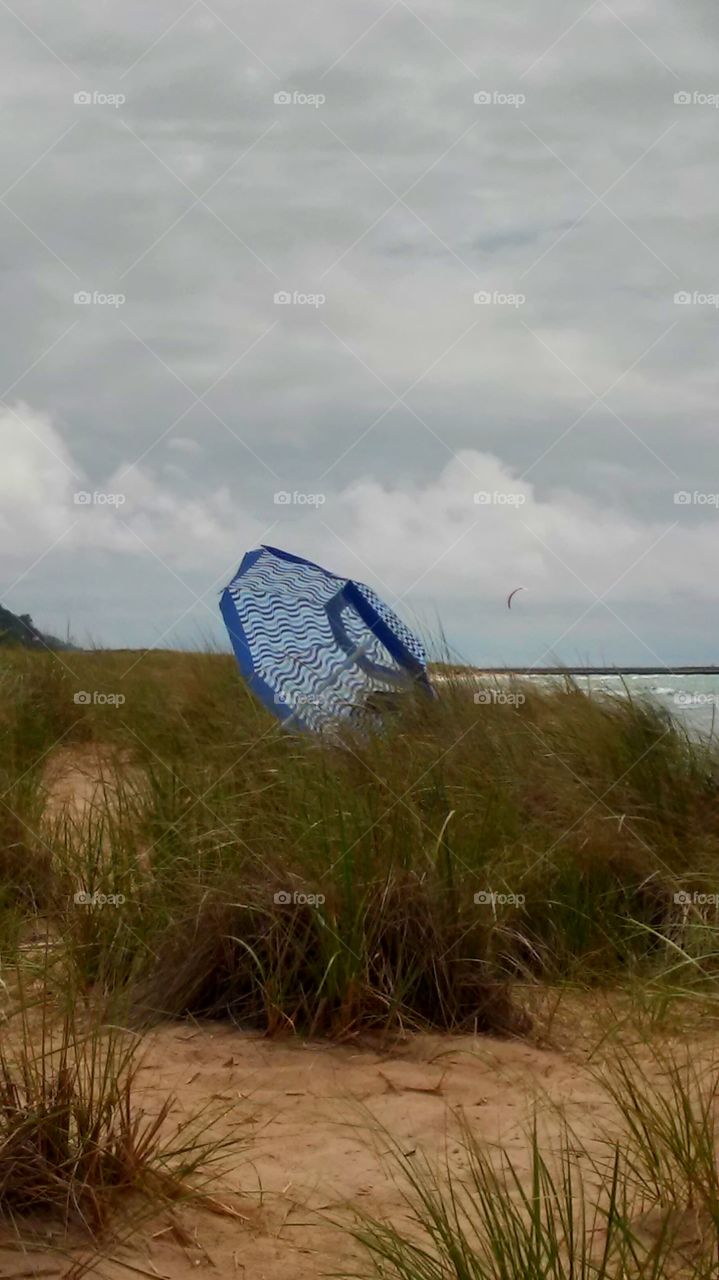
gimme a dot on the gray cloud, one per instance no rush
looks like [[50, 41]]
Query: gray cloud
[[398, 198]]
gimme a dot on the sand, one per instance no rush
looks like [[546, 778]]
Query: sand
[[317, 1120]]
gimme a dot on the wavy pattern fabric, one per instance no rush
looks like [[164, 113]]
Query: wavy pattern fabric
[[317, 649]]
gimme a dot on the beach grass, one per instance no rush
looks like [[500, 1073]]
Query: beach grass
[[415, 877], [637, 1203], [167, 850]]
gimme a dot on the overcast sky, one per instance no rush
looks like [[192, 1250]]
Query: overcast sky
[[442, 448]]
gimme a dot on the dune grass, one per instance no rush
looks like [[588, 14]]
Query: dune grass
[[422, 877], [78, 1146], [411, 878], [641, 1205]]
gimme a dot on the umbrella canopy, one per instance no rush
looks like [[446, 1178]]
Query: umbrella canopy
[[314, 647]]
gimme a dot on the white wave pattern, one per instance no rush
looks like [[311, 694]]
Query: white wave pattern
[[409, 640], [281, 606]]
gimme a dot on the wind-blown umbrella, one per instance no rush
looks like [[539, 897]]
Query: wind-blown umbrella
[[314, 647]]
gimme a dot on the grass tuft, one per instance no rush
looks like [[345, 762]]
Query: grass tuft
[[76, 1143], [646, 1209]]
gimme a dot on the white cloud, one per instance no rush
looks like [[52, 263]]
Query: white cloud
[[565, 546], [45, 498], [497, 198], [471, 533]]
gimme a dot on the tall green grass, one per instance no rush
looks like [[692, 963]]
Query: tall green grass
[[78, 1147], [642, 1207], [421, 877], [576, 819]]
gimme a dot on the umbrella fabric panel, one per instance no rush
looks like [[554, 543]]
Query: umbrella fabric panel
[[302, 644]]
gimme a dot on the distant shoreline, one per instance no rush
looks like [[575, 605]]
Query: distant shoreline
[[441, 668], [582, 671]]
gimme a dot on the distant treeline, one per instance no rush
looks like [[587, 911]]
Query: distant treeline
[[19, 629]]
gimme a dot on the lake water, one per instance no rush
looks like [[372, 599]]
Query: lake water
[[692, 699]]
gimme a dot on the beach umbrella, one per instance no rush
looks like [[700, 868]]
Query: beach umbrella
[[316, 648]]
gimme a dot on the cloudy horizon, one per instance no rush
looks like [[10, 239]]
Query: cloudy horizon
[[429, 297]]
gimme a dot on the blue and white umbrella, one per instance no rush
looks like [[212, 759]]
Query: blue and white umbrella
[[315, 647]]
